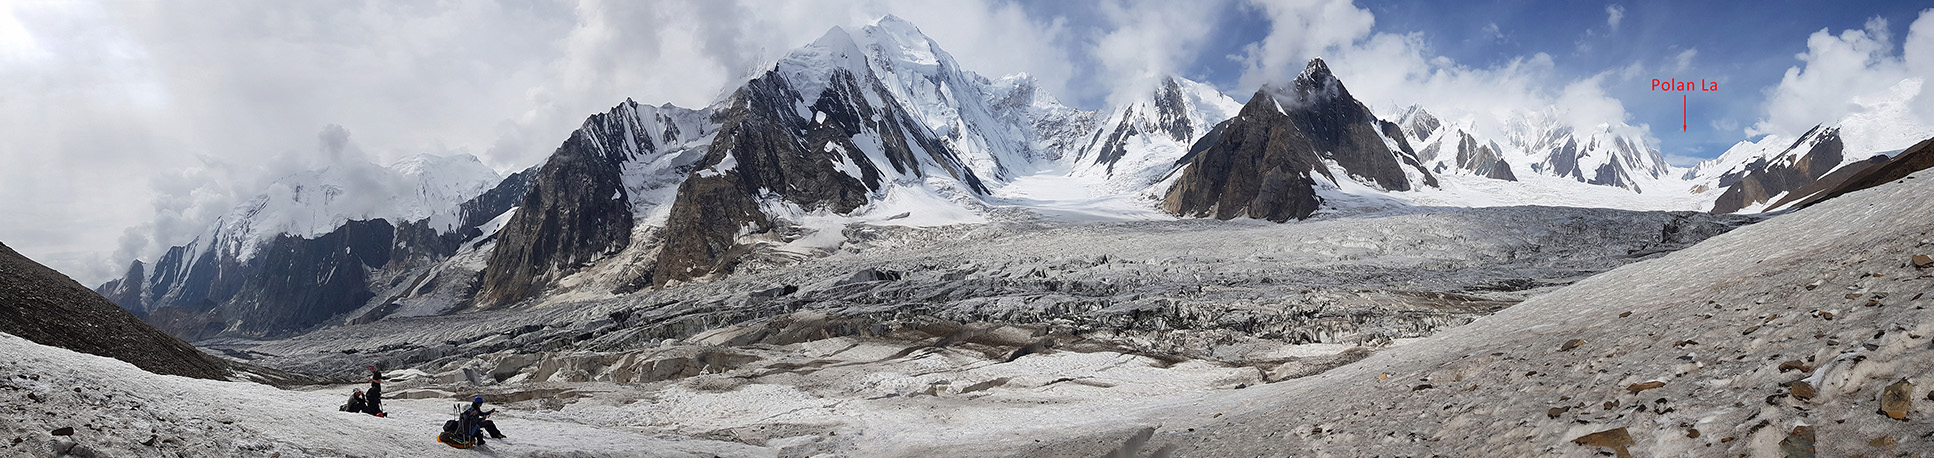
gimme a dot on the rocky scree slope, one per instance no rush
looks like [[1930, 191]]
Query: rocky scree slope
[[48, 308]]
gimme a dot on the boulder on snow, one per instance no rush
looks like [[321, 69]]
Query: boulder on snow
[[63, 431], [1799, 443], [1637, 387], [1897, 399], [1802, 390], [1616, 439], [1922, 261]]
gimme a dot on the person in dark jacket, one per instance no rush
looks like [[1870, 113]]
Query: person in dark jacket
[[356, 402], [476, 417], [375, 397]]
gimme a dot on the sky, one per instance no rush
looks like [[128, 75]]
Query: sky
[[127, 127]]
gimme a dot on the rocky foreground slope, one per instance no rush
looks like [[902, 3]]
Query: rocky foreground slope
[[1819, 343], [48, 308]]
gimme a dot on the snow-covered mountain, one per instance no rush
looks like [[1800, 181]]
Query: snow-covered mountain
[[611, 182], [1292, 150], [1143, 139], [1536, 142], [303, 244], [312, 203]]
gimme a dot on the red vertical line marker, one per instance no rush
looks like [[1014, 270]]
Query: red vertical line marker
[[1686, 118]]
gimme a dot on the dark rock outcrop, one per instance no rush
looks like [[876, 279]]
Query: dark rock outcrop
[[1482, 159], [128, 289], [499, 199], [1263, 163], [766, 149], [1764, 179], [41, 305], [291, 285], [576, 209]]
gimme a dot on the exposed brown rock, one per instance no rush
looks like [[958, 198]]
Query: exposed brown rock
[[1795, 365], [1923, 261], [1897, 399], [1637, 387], [1555, 412], [1616, 439], [1764, 179], [1913, 159], [1570, 344], [1882, 441], [1802, 390], [1692, 433]]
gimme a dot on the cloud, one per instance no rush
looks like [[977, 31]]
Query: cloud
[[1300, 30], [1388, 71], [1835, 70], [1680, 160], [1492, 30], [1149, 39], [1614, 13], [1683, 61], [131, 127]]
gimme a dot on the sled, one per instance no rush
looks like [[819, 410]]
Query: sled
[[448, 439]]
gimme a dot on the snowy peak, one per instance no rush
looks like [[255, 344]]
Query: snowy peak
[[1143, 139], [1418, 123], [618, 171], [1316, 84], [312, 203], [893, 63], [1541, 143]]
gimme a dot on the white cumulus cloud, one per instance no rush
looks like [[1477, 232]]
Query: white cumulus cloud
[[1837, 69]]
